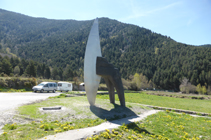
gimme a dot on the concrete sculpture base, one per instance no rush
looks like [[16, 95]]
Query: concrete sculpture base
[[112, 78]]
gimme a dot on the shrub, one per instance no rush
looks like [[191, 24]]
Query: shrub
[[17, 83], [187, 87], [201, 89]]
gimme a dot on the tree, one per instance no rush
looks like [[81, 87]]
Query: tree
[[12, 62], [16, 70], [209, 90], [204, 90], [140, 81], [47, 72], [60, 73], [31, 69], [68, 74], [43, 69], [39, 71], [24, 63], [6, 67], [55, 73], [199, 89], [187, 87]]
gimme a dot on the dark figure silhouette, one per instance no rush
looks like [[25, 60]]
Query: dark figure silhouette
[[112, 79]]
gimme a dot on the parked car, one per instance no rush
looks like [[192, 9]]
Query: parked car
[[45, 86], [64, 86]]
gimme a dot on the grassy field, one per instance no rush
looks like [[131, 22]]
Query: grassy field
[[74, 106], [162, 126], [162, 101], [36, 130], [76, 114]]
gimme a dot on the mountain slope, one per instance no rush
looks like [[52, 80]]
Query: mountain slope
[[61, 43]]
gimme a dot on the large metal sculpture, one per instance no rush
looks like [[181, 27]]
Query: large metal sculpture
[[96, 66], [91, 79]]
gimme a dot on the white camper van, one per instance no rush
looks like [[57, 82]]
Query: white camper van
[[65, 86], [45, 86]]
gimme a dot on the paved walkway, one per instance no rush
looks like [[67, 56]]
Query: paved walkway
[[10, 101], [88, 132]]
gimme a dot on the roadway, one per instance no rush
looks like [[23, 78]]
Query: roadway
[[13, 100]]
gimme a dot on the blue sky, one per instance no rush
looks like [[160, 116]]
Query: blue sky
[[186, 21]]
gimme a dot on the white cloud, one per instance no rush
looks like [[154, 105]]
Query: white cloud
[[137, 10]]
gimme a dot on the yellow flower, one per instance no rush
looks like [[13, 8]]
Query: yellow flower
[[107, 130], [65, 128]]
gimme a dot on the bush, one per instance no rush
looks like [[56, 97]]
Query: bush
[[187, 87], [17, 83], [126, 84], [209, 90], [3, 83], [201, 89]]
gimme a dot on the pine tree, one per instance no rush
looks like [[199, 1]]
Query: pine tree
[[54, 74], [47, 72], [31, 69], [6, 67], [39, 71]]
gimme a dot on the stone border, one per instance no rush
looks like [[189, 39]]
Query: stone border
[[52, 108], [185, 96], [178, 110], [84, 94]]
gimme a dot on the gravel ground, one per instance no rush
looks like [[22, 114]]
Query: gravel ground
[[10, 101]]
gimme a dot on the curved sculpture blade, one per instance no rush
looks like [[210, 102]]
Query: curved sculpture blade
[[91, 79]]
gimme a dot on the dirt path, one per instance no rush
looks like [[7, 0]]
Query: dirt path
[[87, 132]]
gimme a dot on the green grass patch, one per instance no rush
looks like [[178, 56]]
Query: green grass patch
[[77, 106], [162, 101], [13, 90], [41, 129], [77, 114], [163, 125]]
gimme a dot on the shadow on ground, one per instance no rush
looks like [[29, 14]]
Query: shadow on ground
[[119, 112]]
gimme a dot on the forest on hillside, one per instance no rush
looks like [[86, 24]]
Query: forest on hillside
[[16, 67], [60, 44]]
